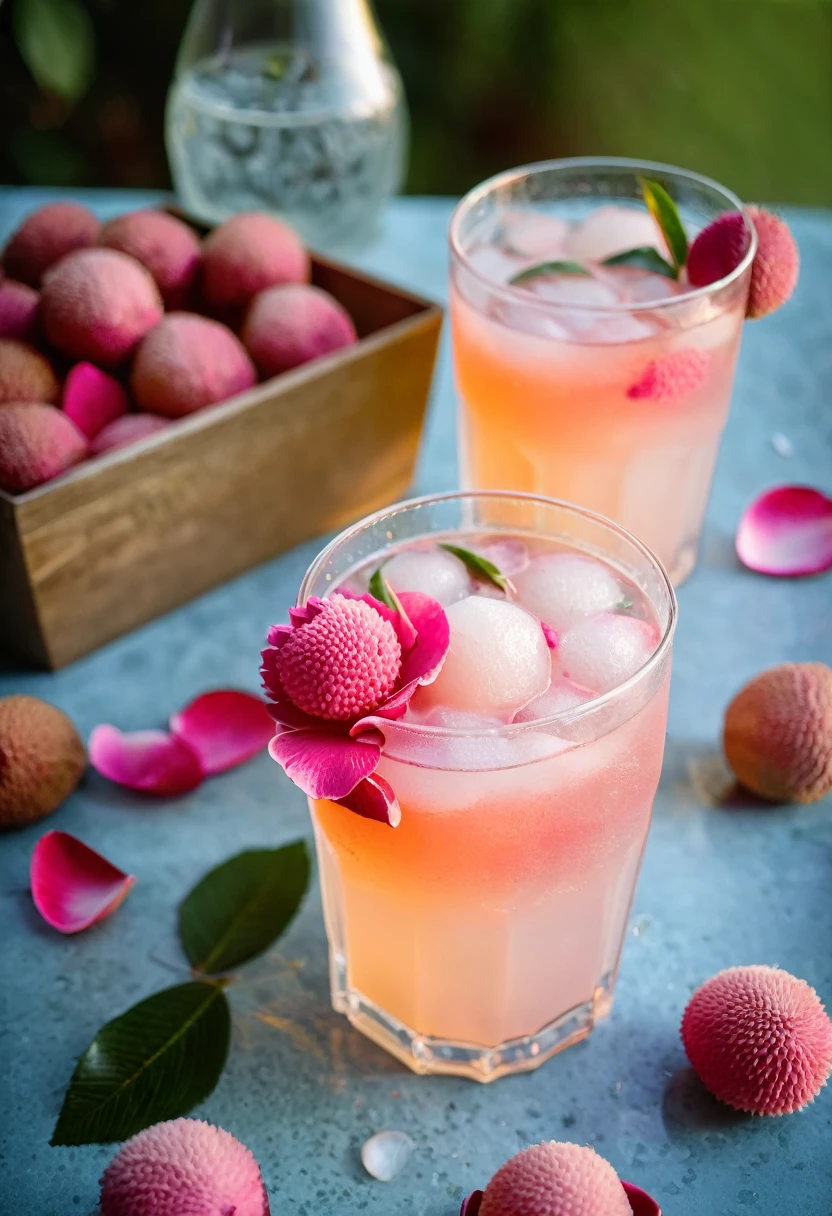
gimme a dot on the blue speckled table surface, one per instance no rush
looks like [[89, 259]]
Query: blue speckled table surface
[[721, 884]]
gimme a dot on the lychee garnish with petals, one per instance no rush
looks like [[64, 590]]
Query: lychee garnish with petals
[[718, 249], [555, 1179], [776, 264], [672, 377], [760, 1039]]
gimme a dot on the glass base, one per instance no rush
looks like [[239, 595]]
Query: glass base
[[433, 1056]]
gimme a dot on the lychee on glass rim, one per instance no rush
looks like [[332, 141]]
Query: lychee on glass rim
[[481, 747], [585, 367]]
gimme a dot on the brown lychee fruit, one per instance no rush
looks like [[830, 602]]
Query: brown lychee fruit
[[165, 246], [98, 304], [26, 374], [46, 236], [246, 254], [18, 310], [188, 362], [37, 442], [42, 759], [776, 264], [287, 326], [778, 733], [555, 1179]]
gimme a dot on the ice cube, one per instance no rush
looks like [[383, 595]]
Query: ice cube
[[434, 572], [494, 263], [561, 695], [509, 556], [605, 650], [533, 235], [497, 662], [580, 290], [562, 588], [612, 229]]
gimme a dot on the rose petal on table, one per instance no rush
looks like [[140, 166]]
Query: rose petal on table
[[151, 761], [72, 885], [641, 1203], [787, 531], [225, 728], [386, 1154], [471, 1204]]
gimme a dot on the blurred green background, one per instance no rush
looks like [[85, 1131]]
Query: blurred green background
[[739, 89]]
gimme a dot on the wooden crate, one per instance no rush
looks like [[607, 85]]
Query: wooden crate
[[135, 532]]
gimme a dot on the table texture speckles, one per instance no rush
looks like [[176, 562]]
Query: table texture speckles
[[720, 886]]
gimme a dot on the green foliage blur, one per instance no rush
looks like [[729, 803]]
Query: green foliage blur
[[738, 89]]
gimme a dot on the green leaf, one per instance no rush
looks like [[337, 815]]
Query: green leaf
[[480, 567], [157, 1061], [645, 257], [243, 906], [381, 590], [56, 40], [534, 272], [624, 605], [665, 213]]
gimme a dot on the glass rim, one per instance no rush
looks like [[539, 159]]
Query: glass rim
[[507, 176], [509, 729]]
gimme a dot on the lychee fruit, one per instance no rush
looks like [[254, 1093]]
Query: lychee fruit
[[671, 377], [778, 733], [26, 374], [180, 1167], [42, 759], [129, 429], [165, 246], [92, 399], [287, 326], [555, 1179], [18, 310], [188, 362], [718, 249], [246, 254], [98, 304], [37, 442], [46, 236], [776, 264], [759, 1039]]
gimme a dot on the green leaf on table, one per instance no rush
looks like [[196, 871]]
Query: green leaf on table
[[665, 213], [243, 906], [56, 40], [645, 257], [480, 567], [534, 272], [157, 1061]]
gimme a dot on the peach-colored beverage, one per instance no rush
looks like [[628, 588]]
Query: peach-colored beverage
[[587, 367], [483, 932]]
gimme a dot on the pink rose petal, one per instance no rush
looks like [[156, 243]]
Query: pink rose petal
[[92, 399], [641, 1203], [72, 885], [374, 798], [129, 429], [787, 531], [433, 637], [552, 639], [324, 764], [224, 728], [471, 1204], [151, 761]]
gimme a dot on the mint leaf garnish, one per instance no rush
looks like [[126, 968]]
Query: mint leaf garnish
[[664, 211], [480, 567], [534, 272], [645, 257], [380, 589], [624, 605]]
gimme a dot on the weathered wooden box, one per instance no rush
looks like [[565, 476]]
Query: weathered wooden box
[[133, 533]]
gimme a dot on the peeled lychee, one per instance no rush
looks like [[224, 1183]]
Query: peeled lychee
[[128, 429], [778, 733], [92, 399], [290, 325], [37, 442], [183, 1168], [248, 253], [98, 304], [759, 1039], [188, 362], [164, 245], [718, 249], [18, 309], [25, 374], [554, 1179], [776, 264], [42, 759], [45, 236]]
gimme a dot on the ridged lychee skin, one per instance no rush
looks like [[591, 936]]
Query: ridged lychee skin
[[778, 733], [18, 310], [26, 374], [98, 304], [188, 362], [672, 377], [183, 1168], [718, 249], [165, 246], [46, 236], [42, 759], [248, 253], [555, 1179], [759, 1039], [37, 442], [287, 326], [776, 264]]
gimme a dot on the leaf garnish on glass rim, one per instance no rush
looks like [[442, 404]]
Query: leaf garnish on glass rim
[[624, 605], [534, 272], [645, 257], [380, 589], [665, 212], [480, 567]]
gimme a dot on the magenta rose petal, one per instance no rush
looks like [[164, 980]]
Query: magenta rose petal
[[552, 639], [322, 764], [72, 885], [641, 1203], [787, 531], [150, 761], [423, 661], [374, 798], [471, 1204], [224, 728]]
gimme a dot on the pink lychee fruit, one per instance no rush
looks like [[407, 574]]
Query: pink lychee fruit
[[718, 249], [248, 253], [97, 304], [184, 1167], [555, 1179], [188, 362], [289, 325], [92, 399], [46, 236], [129, 429], [342, 663], [37, 442], [671, 377], [26, 374], [776, 264], [759, 1039], [165, 246], [18, 310]]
